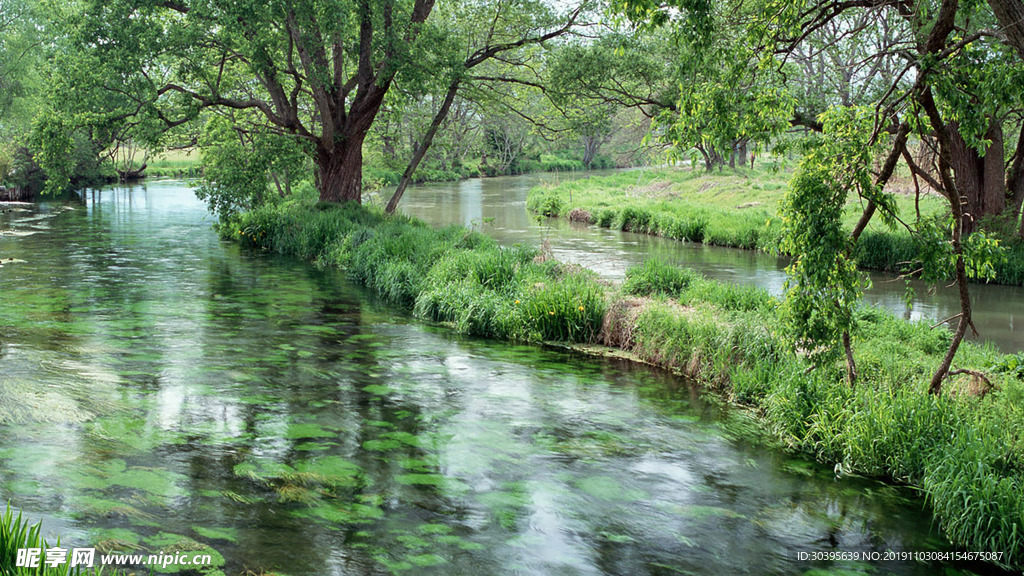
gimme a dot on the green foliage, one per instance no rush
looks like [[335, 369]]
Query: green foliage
[[823, 287], [545, 202], [15, 533], [21, 33], [1012, 364], [656, 276], [963, 452], [728, 337], [934, 255], [450, 275], [237, 169]]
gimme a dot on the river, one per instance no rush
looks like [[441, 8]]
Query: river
[[163, 389], [498, 205]]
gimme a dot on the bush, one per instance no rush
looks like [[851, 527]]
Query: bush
[[551, 163], [549, 204]]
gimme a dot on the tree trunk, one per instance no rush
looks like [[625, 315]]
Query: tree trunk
[[591, 145], [1010, 14], [947, 136], [851, 365], [1015, 188], [979, 178], [339, 172], [421, 149], [708, 162]]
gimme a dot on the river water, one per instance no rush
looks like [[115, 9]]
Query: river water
[[498, 205], [161, 389]]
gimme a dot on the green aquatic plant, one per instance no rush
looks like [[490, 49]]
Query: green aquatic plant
[[729, 338]]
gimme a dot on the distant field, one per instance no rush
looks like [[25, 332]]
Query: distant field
[[174, 163]]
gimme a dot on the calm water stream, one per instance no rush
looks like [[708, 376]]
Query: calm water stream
[[998, 310], [162, 389]]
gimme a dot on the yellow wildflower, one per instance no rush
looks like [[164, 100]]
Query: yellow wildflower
[[552, 312], [582, 308]]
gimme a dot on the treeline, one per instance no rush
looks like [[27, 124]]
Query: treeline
[[455, 103]]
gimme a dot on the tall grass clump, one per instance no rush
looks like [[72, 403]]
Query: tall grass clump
[[656, 276], [569, 307], [15, 533]]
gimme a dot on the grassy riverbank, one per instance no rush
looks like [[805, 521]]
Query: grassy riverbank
[[964, 450], [734, 208]]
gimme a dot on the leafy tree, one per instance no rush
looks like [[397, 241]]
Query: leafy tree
[[824, 286], [489, 31], [963, 95], [19, 57], [239, 166], [316, 70]]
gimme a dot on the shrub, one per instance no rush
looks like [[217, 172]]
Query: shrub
[[546, 204]]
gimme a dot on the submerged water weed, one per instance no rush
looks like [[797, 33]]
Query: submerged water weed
[[727, 337]]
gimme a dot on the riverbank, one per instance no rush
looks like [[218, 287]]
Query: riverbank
[[734, 208], [964, 450]]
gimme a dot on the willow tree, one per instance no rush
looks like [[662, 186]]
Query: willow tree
[[956, 87]]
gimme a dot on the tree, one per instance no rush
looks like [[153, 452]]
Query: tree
[[492, 30], [20, 54], [318, 70], [958, 89]]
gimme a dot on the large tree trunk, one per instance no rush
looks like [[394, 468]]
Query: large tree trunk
[[339, 172], [1010, 14], [591, 145], [979, 178]]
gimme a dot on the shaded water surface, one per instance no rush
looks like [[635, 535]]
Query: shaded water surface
[[161, 389], [499, 206]]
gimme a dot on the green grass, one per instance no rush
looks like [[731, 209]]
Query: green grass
[[734, 208], [15, 533], [965, 452], [451, 275], [174, 164]]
